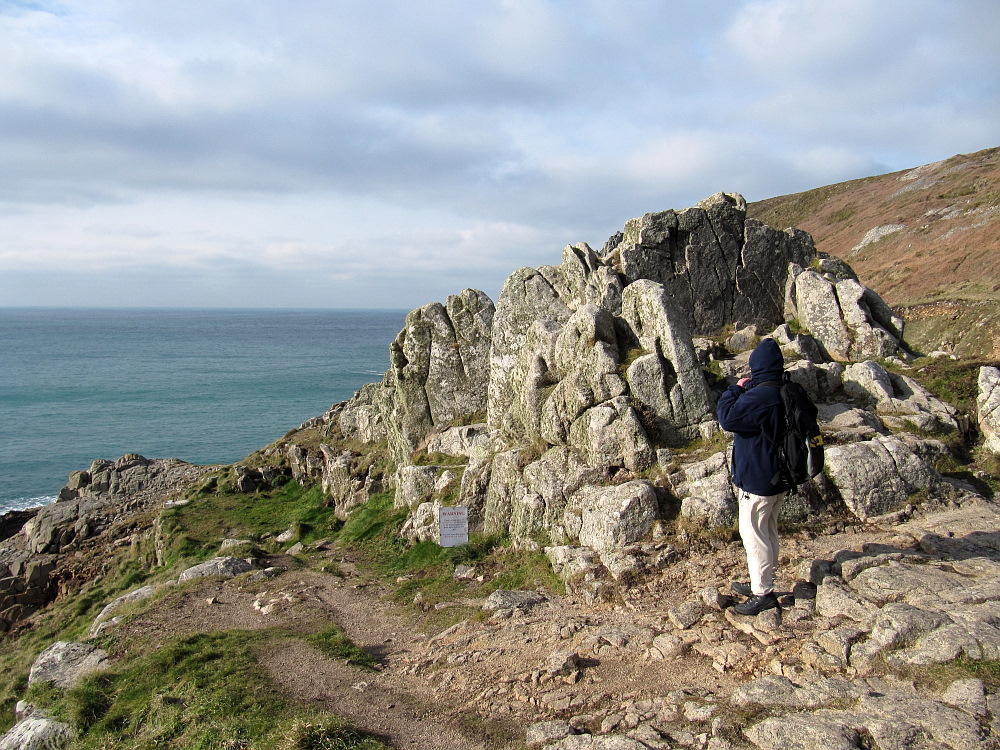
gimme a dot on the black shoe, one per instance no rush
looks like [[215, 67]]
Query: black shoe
[[743, 589], [757, 604]]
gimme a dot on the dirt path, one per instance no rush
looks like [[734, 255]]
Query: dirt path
[[481, 682]]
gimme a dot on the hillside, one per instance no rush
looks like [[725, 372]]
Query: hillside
[[300, 599], [925, 238]]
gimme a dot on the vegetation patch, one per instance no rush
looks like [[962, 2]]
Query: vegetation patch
[[203, 691], [954, 381], [334, 643], [193, 531]]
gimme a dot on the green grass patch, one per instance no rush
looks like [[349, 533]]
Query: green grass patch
[[938, 677], [423, 458], [954, 381], [374, 527], [333, 642], [194, 531], [200, 692]]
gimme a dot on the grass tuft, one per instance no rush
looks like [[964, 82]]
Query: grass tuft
[[334, 643]]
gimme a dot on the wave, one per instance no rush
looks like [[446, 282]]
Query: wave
[[23, 503]]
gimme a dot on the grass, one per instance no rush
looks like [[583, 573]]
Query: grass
[[428, 569], [202, 692], [335, 644], [194, 531], [937, 677], [954, 381], [67, 618]]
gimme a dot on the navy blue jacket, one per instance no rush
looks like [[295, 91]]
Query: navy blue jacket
[[757, 418]]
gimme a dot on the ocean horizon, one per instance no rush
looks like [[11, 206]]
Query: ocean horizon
[[204, 385]]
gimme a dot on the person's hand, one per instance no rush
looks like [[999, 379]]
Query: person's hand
[[743, 382]]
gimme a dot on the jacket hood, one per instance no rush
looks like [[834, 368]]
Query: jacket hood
[[766, 362]]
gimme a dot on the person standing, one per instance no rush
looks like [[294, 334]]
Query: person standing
[[753, 411]]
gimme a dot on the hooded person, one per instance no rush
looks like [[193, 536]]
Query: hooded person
[[753, 411]]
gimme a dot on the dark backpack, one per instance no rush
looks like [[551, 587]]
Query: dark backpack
[[800, 449]]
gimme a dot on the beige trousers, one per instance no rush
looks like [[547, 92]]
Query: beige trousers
[[759, 530]]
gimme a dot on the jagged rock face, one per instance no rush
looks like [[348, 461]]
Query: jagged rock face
[[717, 266], [361, 417], [92, 499], [606, 518], [543, 298], [439, 369], [593, 359], [988, 403], [667, 379]]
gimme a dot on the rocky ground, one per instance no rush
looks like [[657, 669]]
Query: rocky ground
[[844, 663]]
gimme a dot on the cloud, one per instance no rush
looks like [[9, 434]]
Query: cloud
[[386, 149]]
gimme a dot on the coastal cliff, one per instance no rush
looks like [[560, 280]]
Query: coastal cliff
[[574, 419]]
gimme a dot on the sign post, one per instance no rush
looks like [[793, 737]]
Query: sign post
[[454, 525]]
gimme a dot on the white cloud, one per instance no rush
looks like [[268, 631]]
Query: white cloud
[[385, 150]]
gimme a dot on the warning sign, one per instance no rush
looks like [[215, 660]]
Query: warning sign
[[454, 524]]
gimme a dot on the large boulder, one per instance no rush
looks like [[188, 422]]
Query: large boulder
[[465, 441], [609, 517], [988, 403], [879, 475], [64, 664], [222, 567], [415, 485], [37, 732], [611, 436], [706, 491], [846, 318]]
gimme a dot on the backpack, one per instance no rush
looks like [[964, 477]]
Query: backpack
[[800, 449]]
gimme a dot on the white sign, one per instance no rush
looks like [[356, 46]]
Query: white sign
[[454, 524]]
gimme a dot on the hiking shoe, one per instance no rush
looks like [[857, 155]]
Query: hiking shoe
[[757, 604], [743, 589]]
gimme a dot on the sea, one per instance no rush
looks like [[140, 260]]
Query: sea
[[205, 386]]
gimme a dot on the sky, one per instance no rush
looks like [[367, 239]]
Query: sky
[[381, 153]]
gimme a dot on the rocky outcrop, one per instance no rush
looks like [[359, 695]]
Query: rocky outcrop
[[93, 503], [879, 475], [849, 320], [717, 266], [988, 403], [439, 369], [665, 378], [26, 585], [929, 600], [585, 375], [93, 499]]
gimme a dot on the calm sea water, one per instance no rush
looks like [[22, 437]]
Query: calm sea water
[[205, 386]]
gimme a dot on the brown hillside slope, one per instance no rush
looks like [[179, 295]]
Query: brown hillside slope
[[926, 239]]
